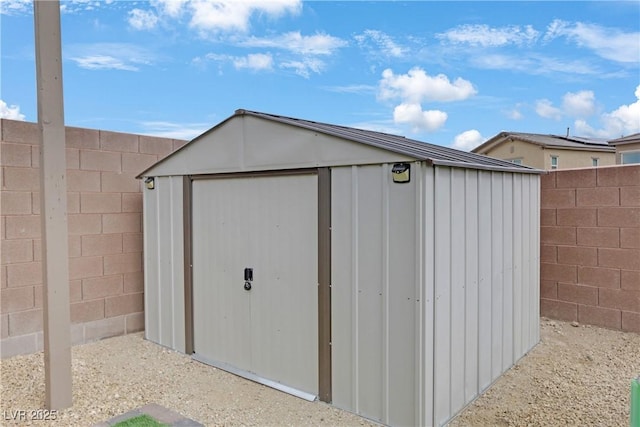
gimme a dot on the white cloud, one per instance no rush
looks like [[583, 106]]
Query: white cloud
[[485, 36], [15, 7], [304, 67], [359, 88], [417, 86], [171, 8], [534, 64], [318, 44], [413, 115], [579, 104], [609, 43], [22, 7], [625, 119], [384, 44], [174, 130], [254, 61], [545, 109], [142, 19], [468, 140], [233, 15], [515, 114], [109, 56], [103, 62], [10, 111]]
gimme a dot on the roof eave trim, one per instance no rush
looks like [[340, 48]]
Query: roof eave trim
[[585, 148], [435, 162]]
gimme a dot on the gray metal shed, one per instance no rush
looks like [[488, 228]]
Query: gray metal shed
[[393, 278]]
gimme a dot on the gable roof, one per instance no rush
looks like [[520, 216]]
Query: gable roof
[[432, 154], [629, 139], [548, 141]]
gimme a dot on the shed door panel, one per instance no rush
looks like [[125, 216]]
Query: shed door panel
[[268, 224]]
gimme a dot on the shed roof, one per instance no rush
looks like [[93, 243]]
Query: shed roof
[[433, 154], [550, 141]]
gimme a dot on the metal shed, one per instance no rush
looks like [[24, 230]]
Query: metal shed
[[393, 278]]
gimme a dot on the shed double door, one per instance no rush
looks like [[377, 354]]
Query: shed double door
[[267, 224]]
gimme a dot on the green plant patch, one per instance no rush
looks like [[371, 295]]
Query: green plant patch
[[141, 421]]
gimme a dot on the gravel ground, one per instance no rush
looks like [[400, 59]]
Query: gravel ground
[[575, 376]]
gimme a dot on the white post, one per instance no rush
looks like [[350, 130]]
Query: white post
[[53, 205]]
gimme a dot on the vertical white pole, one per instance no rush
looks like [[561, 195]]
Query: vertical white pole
[[53, 205]]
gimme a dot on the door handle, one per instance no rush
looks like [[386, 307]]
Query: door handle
[[248, 278]]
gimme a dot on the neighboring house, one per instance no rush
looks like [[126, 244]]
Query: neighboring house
[[627, 149], [548, 151]]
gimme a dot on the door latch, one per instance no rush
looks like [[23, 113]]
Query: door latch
[[248, 278]]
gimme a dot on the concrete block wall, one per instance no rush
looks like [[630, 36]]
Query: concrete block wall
[[590, 246], [104, 206]]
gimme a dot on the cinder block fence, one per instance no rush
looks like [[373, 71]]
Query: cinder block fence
[[590, 246], [105, 233]]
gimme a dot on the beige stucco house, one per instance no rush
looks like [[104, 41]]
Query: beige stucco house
[[627, 149], [548, 151]]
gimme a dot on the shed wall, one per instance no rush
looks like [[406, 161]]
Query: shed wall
[[164, 263], [485, 280], [434, 287], [375, 293]]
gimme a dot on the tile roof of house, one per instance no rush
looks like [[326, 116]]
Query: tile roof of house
[[635, 137], [555, 141]]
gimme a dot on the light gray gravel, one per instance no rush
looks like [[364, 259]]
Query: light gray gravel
[[575, 376]]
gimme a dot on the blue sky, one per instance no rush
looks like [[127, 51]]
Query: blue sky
[[451, 73]]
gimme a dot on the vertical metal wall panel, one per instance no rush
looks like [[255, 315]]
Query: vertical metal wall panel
[[165, 275], [403, 297], [428, 306], [374, 288], [354, 282], [458, 284], [534, 231], [177, 265], [484, 280], [471, 285], [519, 281], [442, 287], [369, 292], [507, 265], [151, 259], [422, 368], [342, 326], [527, 271], [163, 260], [497, 274]]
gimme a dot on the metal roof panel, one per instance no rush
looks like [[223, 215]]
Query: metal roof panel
[[435, 154]]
